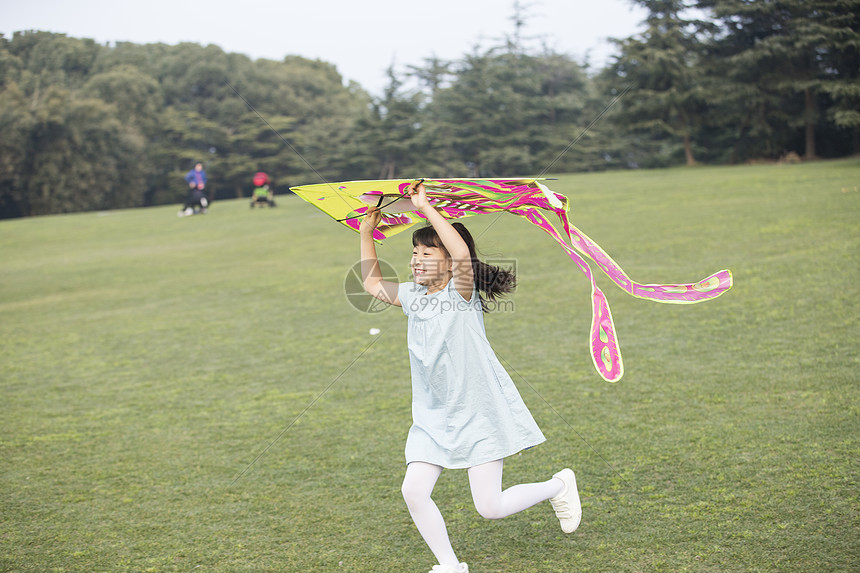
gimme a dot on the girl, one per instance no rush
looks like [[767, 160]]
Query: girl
[[466, 411]]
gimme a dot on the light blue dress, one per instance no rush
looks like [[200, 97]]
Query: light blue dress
[[466, 410]]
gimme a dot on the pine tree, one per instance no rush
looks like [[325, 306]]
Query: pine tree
[[663, 66], [785, 55]]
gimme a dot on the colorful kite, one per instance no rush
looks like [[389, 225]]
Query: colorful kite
[[347, 203]]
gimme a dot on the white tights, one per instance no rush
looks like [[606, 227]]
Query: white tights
[[490, 501]]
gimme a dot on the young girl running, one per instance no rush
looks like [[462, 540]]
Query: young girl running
[[466, 411]]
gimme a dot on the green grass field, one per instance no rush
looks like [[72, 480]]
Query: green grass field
[[197, 394]]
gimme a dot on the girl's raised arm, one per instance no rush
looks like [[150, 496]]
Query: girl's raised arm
[[371, 276], [458, 250]]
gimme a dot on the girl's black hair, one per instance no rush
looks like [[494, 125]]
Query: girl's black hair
[[490, 280]]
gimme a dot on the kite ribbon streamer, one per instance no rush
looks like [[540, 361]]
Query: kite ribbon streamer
[[456, 198], [605, 351]]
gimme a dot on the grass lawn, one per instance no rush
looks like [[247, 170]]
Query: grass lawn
[[197, 394]]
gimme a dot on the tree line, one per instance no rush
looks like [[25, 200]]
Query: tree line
[[89, 127]]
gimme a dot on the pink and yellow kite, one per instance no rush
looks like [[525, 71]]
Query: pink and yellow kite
[[530, 199]]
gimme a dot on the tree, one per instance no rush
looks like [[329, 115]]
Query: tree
[[16, 124], [390, 132], [786, 56], [69, 155], [834, 31], [663, 66], [509, 113], [62, 150]]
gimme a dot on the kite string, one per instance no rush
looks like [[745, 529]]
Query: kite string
[[303, 412], [287, 143], [379, 204], [575, 140], [551, 407], [567, 148], [572, 142], [328, 183]]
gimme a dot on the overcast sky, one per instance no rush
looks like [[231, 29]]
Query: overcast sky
[[361, 37]]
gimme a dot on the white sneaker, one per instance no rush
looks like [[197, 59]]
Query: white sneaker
[[461, 568], [567, 507]]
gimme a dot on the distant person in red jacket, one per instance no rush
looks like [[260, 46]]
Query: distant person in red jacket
[[263, 194]]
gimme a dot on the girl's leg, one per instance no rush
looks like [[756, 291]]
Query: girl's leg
[[493, 503], [417, 487]]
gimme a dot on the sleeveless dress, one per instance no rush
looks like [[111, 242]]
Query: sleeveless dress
[[466, 410]]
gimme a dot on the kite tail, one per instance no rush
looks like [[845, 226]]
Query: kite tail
[[690, 293], [605, 351]]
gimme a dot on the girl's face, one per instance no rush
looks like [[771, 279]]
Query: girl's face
[[430, 266]]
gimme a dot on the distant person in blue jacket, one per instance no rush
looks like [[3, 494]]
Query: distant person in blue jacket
[[197, 203]]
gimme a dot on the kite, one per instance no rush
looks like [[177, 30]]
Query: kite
[[347, 203]]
